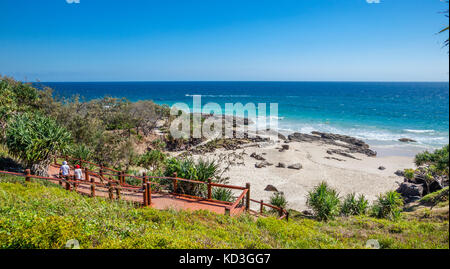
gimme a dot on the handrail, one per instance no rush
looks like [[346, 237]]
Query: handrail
[[283, 213], [154, 177], [146, 183], [238, 200]]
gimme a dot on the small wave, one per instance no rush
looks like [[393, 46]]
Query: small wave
[[418, 131]]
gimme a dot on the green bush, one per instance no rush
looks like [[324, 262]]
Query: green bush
[[388, 206], [409, 173], [278, 199], [187, 168], [222, 194], [36, 140], [354, 206], [439, 158], [80, 151], [324, 201], [152, 159]]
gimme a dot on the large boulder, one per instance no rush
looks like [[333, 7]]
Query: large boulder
[[400, 173], [407, 189]]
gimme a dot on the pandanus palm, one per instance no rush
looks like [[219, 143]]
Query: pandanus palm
[[35, 139]]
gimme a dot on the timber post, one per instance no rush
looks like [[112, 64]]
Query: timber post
[[92, 190], [144, 179], [261, 209], [86, 174], [118, 192], [28, 175], [110, 191], [227, 211], [149, 193], [209, 189], [247, 199], [174, 181]]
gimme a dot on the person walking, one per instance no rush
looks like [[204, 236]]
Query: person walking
[[78, 172], [65, 170]]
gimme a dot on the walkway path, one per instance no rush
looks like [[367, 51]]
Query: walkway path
[[159, 200]]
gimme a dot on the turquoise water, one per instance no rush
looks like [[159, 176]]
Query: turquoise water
[[378, 112]]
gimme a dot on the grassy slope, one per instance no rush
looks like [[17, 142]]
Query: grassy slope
[[37, 216]]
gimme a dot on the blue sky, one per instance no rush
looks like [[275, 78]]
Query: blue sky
[[170, 40]]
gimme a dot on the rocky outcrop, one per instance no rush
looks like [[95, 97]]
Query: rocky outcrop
[[400, 173], [408, 189], [262, 164], [257, 157], [406, 140], [296, 166], [281, 165], [351, 144], [271, 188], [342, 153]]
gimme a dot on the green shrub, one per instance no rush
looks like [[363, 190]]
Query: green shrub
[[439, 158], [80, 151], [152, 159], [324, 201], [278, 199], [352, 206], [35, 140], [222, 194], [187, 168], [409, 173], [388, 206]]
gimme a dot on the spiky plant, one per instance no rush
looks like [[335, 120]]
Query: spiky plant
[[35, 139], [324, 201], [354, 206], [388, 206]]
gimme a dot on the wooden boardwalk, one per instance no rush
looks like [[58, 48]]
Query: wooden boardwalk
[[100, 181]]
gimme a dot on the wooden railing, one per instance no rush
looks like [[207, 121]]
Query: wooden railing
[[282, 213], [114, 183]]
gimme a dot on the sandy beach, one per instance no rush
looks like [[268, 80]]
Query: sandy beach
[[347, 175]]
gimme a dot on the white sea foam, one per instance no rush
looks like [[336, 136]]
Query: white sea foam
[[418, 131]]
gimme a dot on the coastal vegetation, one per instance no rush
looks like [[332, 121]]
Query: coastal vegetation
[[38, 216], [38, 126]]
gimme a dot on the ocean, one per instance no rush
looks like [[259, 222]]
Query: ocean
[[378, 112]]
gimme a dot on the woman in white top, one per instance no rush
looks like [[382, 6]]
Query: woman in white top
[[78, 173]]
